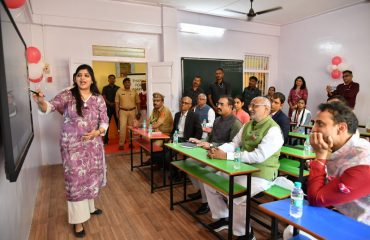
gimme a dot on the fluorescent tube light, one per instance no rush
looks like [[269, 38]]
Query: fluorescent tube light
[[201, 30]]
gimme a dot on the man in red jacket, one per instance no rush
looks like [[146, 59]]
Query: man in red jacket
[[346, 157]]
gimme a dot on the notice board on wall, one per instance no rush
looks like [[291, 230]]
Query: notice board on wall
[[206, 68]]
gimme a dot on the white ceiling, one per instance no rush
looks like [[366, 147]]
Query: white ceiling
[[293, 10]]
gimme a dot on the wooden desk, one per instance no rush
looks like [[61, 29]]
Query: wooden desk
[[321, 223], [363, 132], [225, 166], [306, 128], [146, 142], [298, 155], [301, 136]]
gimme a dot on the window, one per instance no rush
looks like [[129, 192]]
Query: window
[[258, 66]]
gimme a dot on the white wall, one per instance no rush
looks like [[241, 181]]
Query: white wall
[[17, 199], [301, 53]]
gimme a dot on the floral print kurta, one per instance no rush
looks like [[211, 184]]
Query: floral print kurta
[[83, 161]]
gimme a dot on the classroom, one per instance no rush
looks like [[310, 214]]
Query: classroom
[[67, 32]]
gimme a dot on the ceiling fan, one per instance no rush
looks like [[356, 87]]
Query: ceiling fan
[[251, 14]]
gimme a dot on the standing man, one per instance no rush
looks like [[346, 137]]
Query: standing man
[[218, 88], [340, 174], [279, 116], [186, 122], [205, 113], [127, 108], [161, 117], [348, 89], [260, 141], [109, 94], [250, 92], [143, 101], [195, 90]]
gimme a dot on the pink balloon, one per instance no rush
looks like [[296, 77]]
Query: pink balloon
[[33, 55], [336, 74], [14, 3], [336, 60]]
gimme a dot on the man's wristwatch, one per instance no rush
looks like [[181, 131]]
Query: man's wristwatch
[[211, 145]]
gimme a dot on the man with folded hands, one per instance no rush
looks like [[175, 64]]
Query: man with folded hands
[[260, 141], [224, 129]]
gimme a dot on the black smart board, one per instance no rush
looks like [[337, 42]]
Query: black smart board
[[206, 68]]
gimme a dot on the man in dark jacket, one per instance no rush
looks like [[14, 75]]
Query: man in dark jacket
[[279, 116], [187, 122]]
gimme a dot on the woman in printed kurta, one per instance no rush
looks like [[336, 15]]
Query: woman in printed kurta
[[85, 120], [298, 91]]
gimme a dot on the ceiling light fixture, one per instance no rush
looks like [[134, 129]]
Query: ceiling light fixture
[[202, 30]]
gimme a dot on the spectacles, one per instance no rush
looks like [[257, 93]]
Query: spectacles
[[185, 103], [254, 106], [346, 75]]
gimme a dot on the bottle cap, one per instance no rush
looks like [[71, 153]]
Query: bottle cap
[[298, 184]]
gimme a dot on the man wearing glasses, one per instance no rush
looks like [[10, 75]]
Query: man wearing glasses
[[260, 141], [186, 122], [206, 114], [348, 89]]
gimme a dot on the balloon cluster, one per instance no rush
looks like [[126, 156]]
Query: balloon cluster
[[337, 67], [35, 67]]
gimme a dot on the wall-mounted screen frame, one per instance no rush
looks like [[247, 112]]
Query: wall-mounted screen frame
[[16, 126]]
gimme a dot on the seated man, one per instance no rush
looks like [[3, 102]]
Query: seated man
[[186, 122], [224, 129], [347, 160], [260, 141], [205, 112], [160, 118], [340, 174], [279, 116]]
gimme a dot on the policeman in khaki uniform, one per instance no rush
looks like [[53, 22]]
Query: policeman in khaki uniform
[[161, 117], [127, 108]]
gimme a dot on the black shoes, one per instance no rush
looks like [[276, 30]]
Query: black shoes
[[251, 236], [79, 234], [196, 195], [97, 212], [219, 225], [203, 209]]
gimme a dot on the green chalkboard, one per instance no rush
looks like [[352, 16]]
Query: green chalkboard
[[206, 68]]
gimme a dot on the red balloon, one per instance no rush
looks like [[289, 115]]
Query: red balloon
[[14, 3], [336, 60], [33, 55], [335, 74], [37, 80]]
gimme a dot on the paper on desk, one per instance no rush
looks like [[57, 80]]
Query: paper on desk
[[284, 183]]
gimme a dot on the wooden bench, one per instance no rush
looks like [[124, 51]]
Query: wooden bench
[[221, 183], [291, 167], [145, 144], [208, 177]]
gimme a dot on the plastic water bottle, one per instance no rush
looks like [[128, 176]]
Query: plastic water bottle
[[307, 146], [204, 123], [175, 138], [150, 130], [144, 125], [237, 156], [296, 201]]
